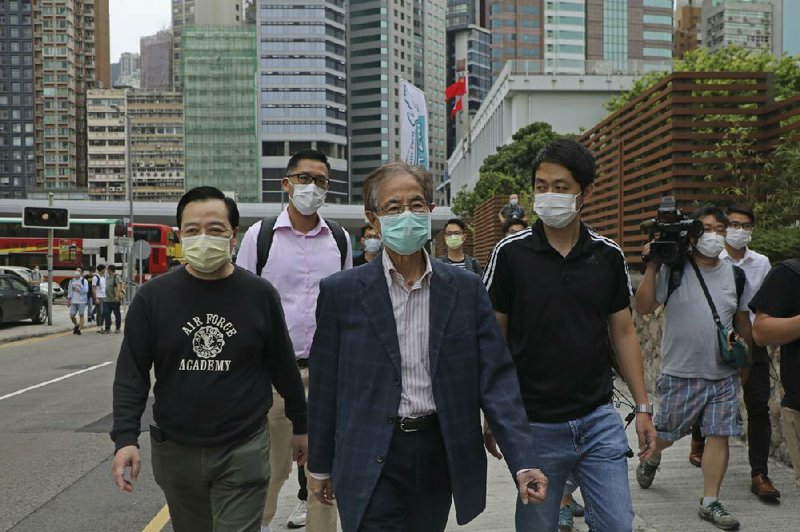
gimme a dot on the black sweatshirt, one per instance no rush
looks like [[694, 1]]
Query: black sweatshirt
[[217, 348]]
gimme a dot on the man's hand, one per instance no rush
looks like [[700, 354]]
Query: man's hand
[[646, 432], [532, 486], [490, 443], [126, 457], [322, 490], [300, 448]]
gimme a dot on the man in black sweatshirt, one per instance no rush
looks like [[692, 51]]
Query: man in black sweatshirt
[[216, 337]]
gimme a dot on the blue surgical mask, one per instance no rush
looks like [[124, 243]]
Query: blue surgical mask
[[372, 245], [406, 233]]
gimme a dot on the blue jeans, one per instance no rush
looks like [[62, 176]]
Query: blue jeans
[[592, 448]]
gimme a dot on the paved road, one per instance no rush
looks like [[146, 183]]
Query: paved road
[[54, 464]]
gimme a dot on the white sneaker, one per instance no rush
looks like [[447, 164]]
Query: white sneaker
[[265, 528], [297, 519]]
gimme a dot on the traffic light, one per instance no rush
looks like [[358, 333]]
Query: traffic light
[[45, 218]]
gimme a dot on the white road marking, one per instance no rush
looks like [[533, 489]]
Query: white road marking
[[63, 377]]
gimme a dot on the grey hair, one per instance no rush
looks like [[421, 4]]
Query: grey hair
[[372, 184]]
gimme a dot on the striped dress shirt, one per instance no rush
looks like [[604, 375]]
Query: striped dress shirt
[[412, 309]]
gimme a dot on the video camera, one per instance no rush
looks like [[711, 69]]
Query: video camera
[[671, 231]]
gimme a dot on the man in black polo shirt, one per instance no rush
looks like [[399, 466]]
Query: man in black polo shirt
[[558, 289]]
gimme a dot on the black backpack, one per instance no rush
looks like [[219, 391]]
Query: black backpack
[[264, 242]]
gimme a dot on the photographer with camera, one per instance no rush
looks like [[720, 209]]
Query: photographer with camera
[[706, 330]]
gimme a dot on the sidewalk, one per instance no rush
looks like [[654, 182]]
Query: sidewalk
[[22, 330]]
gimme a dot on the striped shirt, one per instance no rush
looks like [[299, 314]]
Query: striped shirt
[[412, 309]]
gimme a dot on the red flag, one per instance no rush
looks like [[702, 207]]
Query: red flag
[[456, 108], [459, 88]]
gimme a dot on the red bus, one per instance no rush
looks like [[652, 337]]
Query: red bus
[[86, 243]]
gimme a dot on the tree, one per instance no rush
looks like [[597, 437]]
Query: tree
[[733, 58], [509, 170]]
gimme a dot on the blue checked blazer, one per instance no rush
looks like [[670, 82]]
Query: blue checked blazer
[[355, 383]]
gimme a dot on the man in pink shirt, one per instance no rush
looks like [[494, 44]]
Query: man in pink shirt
[[303, 251]]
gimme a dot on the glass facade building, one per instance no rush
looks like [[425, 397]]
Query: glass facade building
[[302, 90]]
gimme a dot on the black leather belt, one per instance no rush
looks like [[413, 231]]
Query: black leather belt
[[302, 363], [415, 424]]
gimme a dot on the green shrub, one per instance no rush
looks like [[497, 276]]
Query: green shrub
[[777, 244]]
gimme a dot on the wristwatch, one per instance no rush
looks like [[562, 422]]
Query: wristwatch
[[644, 409]]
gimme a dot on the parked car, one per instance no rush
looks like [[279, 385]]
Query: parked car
[[58, 292], [19, 301], [20, 271]]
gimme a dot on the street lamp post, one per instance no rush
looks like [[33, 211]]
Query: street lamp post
[[129, 178]]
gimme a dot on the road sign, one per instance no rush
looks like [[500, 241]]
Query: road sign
[[45, 218], [141, 250], [124, 242]]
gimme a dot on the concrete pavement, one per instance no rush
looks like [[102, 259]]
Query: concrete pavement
[[22, 330]]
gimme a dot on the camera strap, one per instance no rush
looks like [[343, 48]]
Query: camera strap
[[707, 294]]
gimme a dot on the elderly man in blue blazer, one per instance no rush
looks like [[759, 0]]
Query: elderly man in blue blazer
[[406, 354]]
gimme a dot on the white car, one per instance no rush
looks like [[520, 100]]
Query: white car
[[58, 292]]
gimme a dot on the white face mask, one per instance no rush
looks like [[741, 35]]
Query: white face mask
[[372, 245], [205, 253], [710, 245], [738, 238], [555, 210], [307, 199]]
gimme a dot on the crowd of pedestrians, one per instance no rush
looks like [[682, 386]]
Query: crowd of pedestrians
[[389, 376]]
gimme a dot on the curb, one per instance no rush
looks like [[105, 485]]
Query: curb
[[29, 336]]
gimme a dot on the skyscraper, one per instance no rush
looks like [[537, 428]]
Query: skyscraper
[[791, 18], [390, 41], [219, 65], [107, 178], [302, 90], [753, 24], [516, 27], [102, 44], [17, 171], [688, 30], [129, 70], [156, 61]]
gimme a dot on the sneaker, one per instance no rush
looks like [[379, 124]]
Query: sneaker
[[565, 519], [116, 331], [717, 514], [265, 528], [75, 330], [576, 509], [297, 519], [646, 472]]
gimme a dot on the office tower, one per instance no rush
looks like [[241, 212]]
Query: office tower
[[218, 69], [129, 71], [757, 24], [107, 178], [516, 27], [102, 44], [688, 29], [17, 171], [390, 41], [202, 12], [302, 90], [156, 61], [63, 70], [791, 19]]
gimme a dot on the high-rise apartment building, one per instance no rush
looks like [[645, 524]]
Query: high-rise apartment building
[[517, 31], [302, 90], [102, 44], [200, 12], [218, 69], [129, 70], [107, 178], [17, 170], [156, 61], [390, 41], [755, 24], [63, 69], [688, 28]]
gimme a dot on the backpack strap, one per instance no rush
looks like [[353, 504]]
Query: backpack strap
[[264, 242], [740, 278], [341, 240]]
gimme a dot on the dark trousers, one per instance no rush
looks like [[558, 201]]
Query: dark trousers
[[100, 313], [413, 493], [756, 401], [108, 308], [302, 493], [214, 489]]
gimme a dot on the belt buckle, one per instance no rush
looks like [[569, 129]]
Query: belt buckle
[[402, 426]]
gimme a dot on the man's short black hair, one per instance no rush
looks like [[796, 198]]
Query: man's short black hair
[[458, 222], [571, 155], [710, 210], [313, 155], [112, 268], [364, 230], [738, 208], [101, 267], [514, 221], [208, 193]]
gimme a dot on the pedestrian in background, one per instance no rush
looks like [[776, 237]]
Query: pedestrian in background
[[115, 291], [216, 339], [512, 227], [99, 294], [88, 275], [512, 211], [455, 235], [78, 294], [370, 246]]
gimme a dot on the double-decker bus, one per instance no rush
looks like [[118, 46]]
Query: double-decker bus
[[87, 242]]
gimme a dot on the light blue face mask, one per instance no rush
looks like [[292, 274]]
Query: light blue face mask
[[405, 233]]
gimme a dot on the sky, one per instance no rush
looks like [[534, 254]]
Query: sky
[[133, 19]]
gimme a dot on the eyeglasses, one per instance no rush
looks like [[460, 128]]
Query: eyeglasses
[[737, 225], [416, 207], [305, 178]]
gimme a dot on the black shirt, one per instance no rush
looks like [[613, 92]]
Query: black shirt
[[558, 312], [217, 347], [779, 297], [360, 260]]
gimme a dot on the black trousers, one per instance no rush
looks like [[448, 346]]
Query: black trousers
[[756, 401], [413, 493]]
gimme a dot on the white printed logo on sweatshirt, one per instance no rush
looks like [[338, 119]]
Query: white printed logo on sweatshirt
[[208, 335], [208, 342]]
